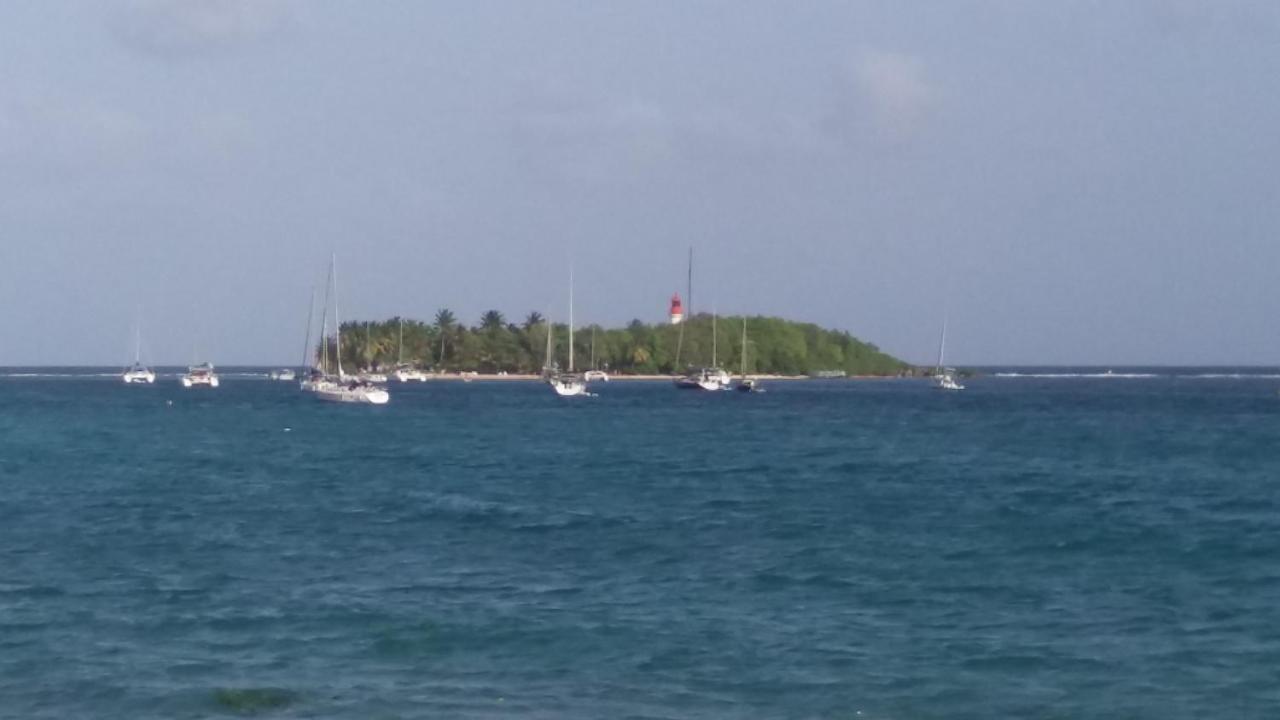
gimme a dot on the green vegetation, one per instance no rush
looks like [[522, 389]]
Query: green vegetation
[[775, 346]]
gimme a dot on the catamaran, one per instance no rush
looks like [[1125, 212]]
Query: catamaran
[[944, 377], [404, 371], [566, 384], [137, 373], [201, 375], [339, 387]]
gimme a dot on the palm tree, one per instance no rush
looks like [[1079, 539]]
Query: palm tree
[[532, 320], [444, 321], [492, 320]]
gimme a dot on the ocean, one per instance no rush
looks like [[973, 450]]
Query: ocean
[[1051, 543]]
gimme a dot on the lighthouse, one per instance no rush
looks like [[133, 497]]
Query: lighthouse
[[677, 309]]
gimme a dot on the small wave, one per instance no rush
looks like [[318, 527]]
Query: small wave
[[1232, 376], [1120, 376], [56, 375]]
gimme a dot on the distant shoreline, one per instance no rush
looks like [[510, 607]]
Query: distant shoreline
[[510, 377]]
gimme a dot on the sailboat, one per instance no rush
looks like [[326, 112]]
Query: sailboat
[[339, 387], [371, 374], [746, 384], [137, 373], [569, 383], [404, 371], [711, 378], [943, 376], [594, 374]]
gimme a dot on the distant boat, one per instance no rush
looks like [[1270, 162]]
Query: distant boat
[[595, 374], [944, 377], [339, 387], [137, 373], [404, 371], [711, 378], [702, 379], [566, 384], [201, 375], [284, 375], [746, 384], [370, 374]]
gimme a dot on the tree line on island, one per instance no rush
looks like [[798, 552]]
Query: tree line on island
[[774, 346]]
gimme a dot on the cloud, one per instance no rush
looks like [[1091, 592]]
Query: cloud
[[894, 88], [177, 28]]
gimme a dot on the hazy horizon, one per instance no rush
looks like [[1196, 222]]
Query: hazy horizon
[[1076, 183]]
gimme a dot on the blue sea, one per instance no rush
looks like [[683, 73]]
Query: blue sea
[[1051, 543]]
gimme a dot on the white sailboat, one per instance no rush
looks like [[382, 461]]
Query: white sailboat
[[404, 371], [339, 387], [713, 378], [943, 376], [137, 373], [566, 384], [595, 374]]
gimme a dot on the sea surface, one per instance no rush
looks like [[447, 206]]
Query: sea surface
[[1048, 544]]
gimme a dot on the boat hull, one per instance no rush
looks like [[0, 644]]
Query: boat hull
[[568, 387], [705, 384], [340, 393], [948, 383]]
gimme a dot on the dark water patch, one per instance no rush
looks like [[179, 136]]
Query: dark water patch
[[253, 700]]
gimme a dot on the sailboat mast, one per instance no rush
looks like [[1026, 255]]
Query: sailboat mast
[[713, 338], [400, 352], [337, 324], [570, 318], [688, 313], [744, 346], [546, 363], [593, 347], [306, 344], [324, 326], [688, 290], [137, 341], [942, 343]]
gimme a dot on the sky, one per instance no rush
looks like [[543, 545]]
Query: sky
[[1075, 182]]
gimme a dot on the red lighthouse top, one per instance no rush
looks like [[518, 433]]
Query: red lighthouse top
[[676, 307]]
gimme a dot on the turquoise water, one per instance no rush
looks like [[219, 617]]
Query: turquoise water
[[1034, 547]]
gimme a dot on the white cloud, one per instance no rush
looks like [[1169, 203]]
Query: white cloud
[[895, 89], [171, 28]]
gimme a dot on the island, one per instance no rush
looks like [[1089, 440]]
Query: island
[[775, 346]]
